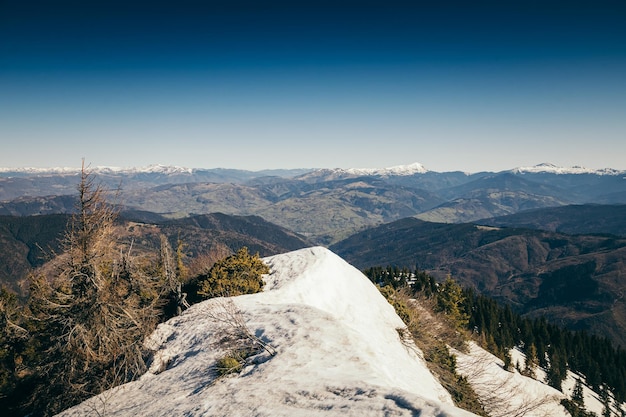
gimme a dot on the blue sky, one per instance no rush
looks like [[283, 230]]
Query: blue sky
[[459, 86]]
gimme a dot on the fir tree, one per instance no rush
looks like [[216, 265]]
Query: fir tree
[[577, 394], [450, 301], [508, 361], [531, 362]]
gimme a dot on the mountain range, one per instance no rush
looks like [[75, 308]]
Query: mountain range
[[510, 234], [325, 205]]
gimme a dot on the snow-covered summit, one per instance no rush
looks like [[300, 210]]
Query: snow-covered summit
[[415, 168], [554, 169], [338, 353], [156, 168], [338, 173]]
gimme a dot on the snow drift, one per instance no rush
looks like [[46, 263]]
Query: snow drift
[[337, 353]]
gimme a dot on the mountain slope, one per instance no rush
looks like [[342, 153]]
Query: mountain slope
[[337, 354], [576, 281], [490, 195], [571, 219], [324, 211], [28, 242]]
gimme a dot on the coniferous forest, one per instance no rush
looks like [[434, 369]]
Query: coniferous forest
[[499, 329]]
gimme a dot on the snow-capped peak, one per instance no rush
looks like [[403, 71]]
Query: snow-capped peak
[[415, 168], [153, 169], [160, 169], [554, 169]]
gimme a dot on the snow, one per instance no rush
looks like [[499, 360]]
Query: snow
[[415, 168], [398, 170], [158, 169], [337, 353], [554, 169], [506, 394]]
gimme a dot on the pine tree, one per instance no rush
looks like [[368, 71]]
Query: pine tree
[[508, 361], [174, 273], [557, 371], [605, 399], [531, 362], [577, 394], [450, 301]]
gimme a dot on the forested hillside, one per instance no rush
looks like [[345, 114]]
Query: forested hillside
[[28, 242], [497, 328], [571, 219], [572, 280]]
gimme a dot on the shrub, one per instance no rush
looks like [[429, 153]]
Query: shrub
[[229, 364], [398, 300], [237, 274]]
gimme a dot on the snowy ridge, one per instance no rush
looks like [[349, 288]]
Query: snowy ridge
[[159, 169], [40, 171], [415, 168], [398, 170], [554, 169], [338, 353]]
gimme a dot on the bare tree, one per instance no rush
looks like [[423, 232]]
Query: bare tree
[[235, 334], [172, 269], [94, 307]]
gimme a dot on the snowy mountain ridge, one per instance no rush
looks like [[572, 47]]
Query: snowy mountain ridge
[[156, 168], [398, 170], [412, 169], [338, 353], [337, 349], [554, 169]]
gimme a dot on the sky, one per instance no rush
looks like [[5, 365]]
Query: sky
[[471, 86]]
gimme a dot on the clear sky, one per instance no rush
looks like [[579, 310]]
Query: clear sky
[[469, 85]]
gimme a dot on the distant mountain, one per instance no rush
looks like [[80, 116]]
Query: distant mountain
[[340, 173], [28, 242], [325, 211], [548, 168], [497, 194], [33, 206], [576, 281], [37, 182], [571, 219], [152, 170], [325, 205]]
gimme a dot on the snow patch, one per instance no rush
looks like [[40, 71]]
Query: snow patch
[[554, 169]]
